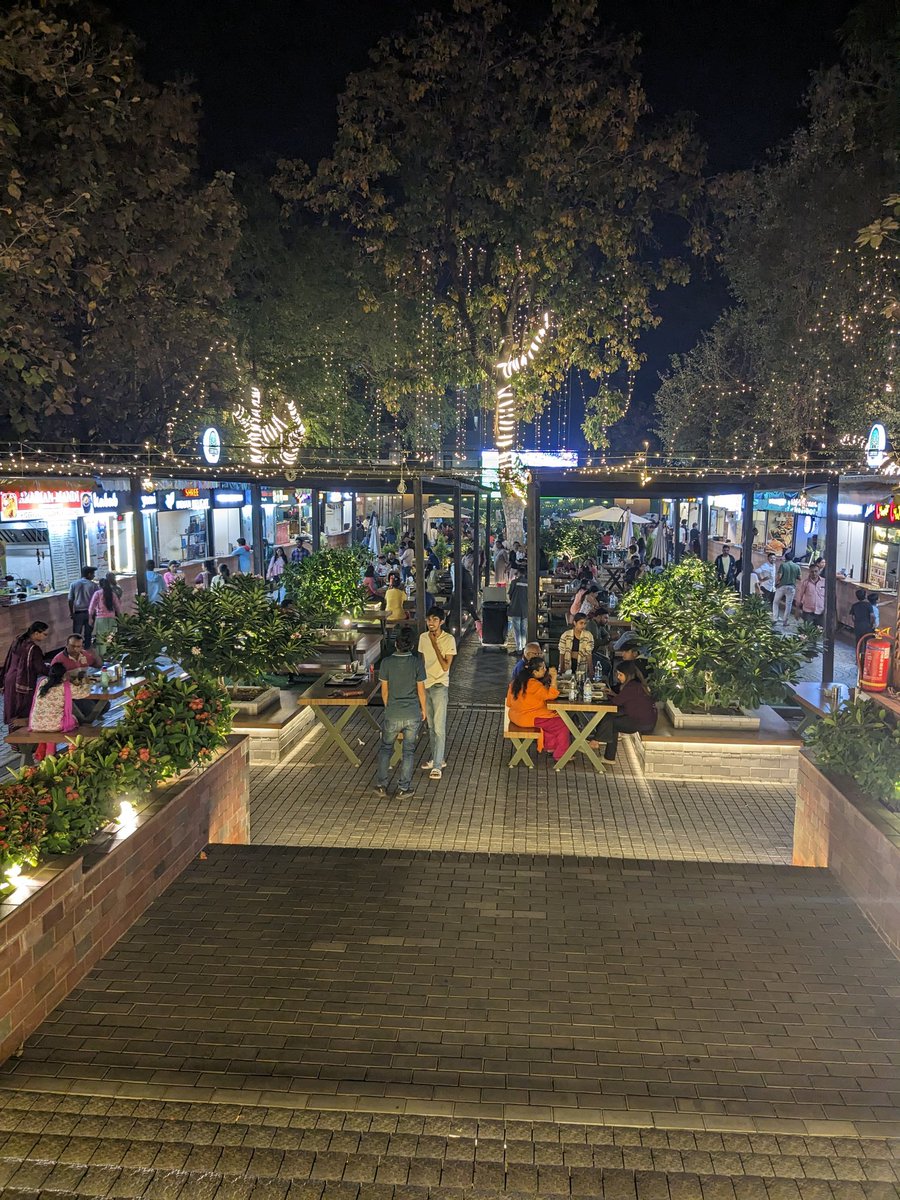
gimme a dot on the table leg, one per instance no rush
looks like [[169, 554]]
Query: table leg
[[579, 741], [333, 731]]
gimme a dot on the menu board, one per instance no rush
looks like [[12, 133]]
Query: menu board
[[65, 559]]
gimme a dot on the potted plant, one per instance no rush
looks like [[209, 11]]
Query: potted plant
[[326, 585], [170, 725], [860, 741], [715, 657], [235, 633]]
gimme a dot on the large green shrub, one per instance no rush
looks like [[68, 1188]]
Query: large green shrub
[[325, 585], [235, 632], [861, 740], [575, 539], [709, 649], [58, 805]]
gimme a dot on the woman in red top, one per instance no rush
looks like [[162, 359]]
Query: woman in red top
[[637, 711], [532, 686]]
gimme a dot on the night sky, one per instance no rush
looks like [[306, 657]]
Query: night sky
[[269, 73]]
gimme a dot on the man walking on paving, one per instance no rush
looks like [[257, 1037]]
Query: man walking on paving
[[402, 677], [437, 649], [786, 581]]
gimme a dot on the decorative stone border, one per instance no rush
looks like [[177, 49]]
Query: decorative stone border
[[74, 908], [716, 760], [857, 839], [723, 722]]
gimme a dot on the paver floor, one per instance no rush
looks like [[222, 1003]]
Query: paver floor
[[516, 986], [481, 805]]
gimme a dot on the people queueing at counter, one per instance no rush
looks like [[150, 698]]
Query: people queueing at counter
[[80, 594]]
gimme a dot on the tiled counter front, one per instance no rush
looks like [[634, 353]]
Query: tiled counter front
[[51, 938], [857, 839]]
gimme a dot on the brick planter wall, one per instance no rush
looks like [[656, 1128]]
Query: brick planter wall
[[835, 826], [84, 902]]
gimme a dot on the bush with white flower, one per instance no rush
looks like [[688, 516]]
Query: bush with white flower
[[236, 632]]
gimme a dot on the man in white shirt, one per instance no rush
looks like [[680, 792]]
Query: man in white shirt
[[765, 573], [407, 562], [438, 650]]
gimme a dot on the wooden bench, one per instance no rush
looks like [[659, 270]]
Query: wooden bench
[[521, 738]]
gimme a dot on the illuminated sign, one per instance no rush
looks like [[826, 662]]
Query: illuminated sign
[[887, 511], [148, 502], [877, 446], [182, 501], [490, 462], [105, 501], [211, 445], [15, 506], [230, 499]]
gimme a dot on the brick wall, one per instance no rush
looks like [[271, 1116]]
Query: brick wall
[[86, 901], [857, 839]]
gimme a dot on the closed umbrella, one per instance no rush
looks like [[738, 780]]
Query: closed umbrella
[[374, 539]]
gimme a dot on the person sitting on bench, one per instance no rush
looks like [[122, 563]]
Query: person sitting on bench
[[531, 688], [62, 701], [637, 709]]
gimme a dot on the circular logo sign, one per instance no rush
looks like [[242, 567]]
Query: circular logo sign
[[211, 445], [876, 446]]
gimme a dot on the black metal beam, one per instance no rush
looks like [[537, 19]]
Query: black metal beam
[[140, 545], [832, 493], [419, 545], [747, 540], [315, 518], [476, 545], [456, 599], [256, 529], [532, 542], [704, 527], [488, 562]]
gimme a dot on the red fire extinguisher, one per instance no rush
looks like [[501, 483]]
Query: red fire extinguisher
[[876, 665]]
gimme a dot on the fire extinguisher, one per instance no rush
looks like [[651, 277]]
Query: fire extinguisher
[[876, 664]]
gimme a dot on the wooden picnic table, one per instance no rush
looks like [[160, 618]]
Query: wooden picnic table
[[580, 735], [113, 691], [813, 698], [321, 696]]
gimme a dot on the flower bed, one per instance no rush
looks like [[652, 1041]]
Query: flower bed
[[57, 806]]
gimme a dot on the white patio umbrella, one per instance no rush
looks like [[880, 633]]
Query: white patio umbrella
[[599, 512], [440, 510]]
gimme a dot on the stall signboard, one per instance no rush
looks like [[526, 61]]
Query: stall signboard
[[490, 462], [231, 497], [805, 506], [148, 502], [877, 447], [102, 502], [188, 499], [42, 504], [887, 512], [211, 445]]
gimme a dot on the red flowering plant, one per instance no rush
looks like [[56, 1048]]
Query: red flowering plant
[[169, 726]]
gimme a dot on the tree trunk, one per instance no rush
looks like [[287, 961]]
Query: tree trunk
[[514, 515]]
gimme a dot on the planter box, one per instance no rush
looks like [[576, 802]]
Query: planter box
[[724, 721], [70, 911], [267, 697], [856, 838], [767, 755]]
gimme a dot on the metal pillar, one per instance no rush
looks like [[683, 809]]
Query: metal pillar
[[419, 544], [488, 563], [832, 493], [140, 545], [678, 548], [747, 540], [456, 599], [476, 543], [532, 512], [315, 519], [704, 528], [256, 529]]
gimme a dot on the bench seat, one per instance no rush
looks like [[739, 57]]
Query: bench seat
[[521, 737]]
